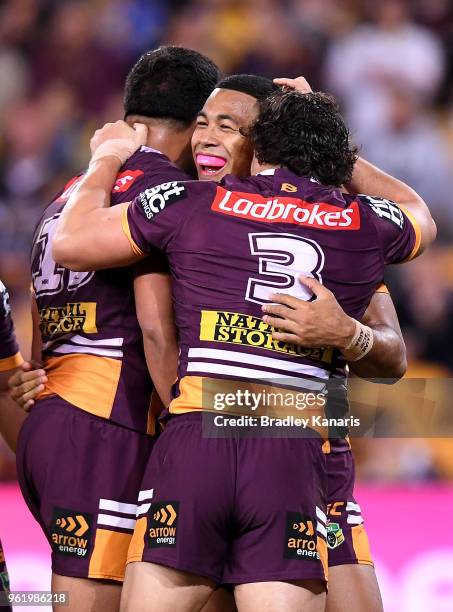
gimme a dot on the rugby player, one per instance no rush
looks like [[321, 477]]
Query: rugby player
[[11, 417], [205, 241], [218, 141], [83, 449]]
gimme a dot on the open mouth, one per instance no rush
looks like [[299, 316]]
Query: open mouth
[[210, 165]]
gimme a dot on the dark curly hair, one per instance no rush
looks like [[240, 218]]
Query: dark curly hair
[[306, 134], [170, 83]]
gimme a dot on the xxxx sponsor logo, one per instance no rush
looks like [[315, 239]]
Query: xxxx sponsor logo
[[300, 537], [163, 524], [72, 317], [237, 328], [71, 532], [318, 215]]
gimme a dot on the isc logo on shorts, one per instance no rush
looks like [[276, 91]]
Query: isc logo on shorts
[[70, 532], [286, 210], [163, 524]]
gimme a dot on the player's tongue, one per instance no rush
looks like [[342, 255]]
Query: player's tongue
[[210, 164]]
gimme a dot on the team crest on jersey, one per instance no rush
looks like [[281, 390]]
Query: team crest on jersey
[[125, 180], [385, 209], [155, 199]]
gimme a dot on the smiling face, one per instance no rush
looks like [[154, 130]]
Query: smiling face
[[217, 145]]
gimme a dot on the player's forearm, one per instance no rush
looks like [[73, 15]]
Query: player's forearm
[[387, 358], [370, 180], [162, 361], [79, 222], [11, 416]]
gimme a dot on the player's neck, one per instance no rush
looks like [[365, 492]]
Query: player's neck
[[258, 167], [168, 137]]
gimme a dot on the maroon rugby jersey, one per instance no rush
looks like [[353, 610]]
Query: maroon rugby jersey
[[231, 245], [10, 356], [92, 343]]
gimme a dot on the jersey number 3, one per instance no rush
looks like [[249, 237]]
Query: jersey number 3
[[282, 259]]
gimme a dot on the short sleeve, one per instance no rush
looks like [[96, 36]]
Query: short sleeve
[[397, 229], [155, 215], [10, 356]]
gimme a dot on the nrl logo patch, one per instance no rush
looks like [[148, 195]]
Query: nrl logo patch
[[335, 535]]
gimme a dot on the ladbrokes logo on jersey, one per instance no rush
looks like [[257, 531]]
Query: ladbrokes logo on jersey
[[72, 317], [71, 532], [286, 210], [237, 328], [163, 524], [301, 537]]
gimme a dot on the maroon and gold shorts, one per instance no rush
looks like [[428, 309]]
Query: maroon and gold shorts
[[80, 476], [347, 540], [235, 509]]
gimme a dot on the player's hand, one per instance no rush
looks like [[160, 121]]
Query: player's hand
[[118, 140], [26, 383], [299, 84], [319, 323]]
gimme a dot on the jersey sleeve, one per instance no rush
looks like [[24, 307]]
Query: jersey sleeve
[[397, 229], [10, 356], [154, 217]]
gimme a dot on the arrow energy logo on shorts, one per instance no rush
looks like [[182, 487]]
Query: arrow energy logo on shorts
[[71, 532], [163, 524], [301, 537]]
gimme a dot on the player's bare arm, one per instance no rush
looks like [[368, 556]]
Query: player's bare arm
[[89, 234], [11, 416], [322, 322], [153, 302]]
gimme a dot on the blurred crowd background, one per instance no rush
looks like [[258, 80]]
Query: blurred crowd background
[[389, 63]]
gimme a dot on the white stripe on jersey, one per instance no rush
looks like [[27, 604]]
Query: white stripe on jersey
[[70, 348], [116, 521], [145, 494], [268, 362], [116, 506], [261, 375], [107, 342]]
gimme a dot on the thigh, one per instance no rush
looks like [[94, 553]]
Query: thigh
[[306, 595], [353, 588], [189, 485], [86, 595], [280, 512], [80, 477], [153, 588]]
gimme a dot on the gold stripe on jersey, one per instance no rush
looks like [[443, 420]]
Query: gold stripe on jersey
[[202, 393], [108, 559], [418, 233], [126, 229], [69, 318], [9, 363], [89, 382], [247, 330]]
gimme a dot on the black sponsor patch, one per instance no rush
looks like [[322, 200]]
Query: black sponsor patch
[[163, 524], [70, 533], [300, 537], [155, 199], [385, 209]]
